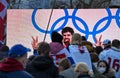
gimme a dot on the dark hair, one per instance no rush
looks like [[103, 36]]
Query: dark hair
[[43, 48], [107, 66], [4, 48], [84, 38], [94, 57], [107, 46], [98, 49], [56, 37], [88, 45], [116, 43], [67, 29]]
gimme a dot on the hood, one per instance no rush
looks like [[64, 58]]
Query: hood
[[116, 49], [55, 47], [10, 64], [42, 62]]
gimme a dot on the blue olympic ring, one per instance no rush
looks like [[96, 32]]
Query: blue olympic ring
[[74, 18]]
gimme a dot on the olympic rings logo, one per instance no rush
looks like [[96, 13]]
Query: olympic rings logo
[[87, 32]]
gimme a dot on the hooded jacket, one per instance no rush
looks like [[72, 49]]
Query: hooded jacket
[[10, 68], [56, 47], [42, 67]]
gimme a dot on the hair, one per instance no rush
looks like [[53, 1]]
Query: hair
[[67, 29], [43, 48], [94, 57], [82, 67], [116, 43], [107, 66], [88, 45], [4, 48], [65, 63], [76, 39], [84, 38], [106, 46], [98, 49]]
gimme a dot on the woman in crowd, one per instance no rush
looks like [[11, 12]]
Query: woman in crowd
[[104, 68], [83, 71]]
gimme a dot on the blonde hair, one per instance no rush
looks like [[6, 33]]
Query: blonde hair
[[76, 39], [83, 68]]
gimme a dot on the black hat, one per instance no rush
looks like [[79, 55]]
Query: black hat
[[56, 37]]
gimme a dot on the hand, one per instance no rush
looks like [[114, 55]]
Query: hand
[[98, 41], [34, 42]]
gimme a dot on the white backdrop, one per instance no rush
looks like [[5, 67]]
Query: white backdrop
[[20, 26]]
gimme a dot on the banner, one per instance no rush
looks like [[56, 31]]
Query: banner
[[24, 23], [3, 11]]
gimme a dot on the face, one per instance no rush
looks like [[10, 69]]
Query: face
[[67, 36], [101, 67], [24, 60], [60, 68], [101, 64]]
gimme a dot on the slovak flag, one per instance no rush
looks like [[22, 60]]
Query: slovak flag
[[3, 12]]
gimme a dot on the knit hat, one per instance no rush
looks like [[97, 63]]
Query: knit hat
[[56, 37], [18, 50]]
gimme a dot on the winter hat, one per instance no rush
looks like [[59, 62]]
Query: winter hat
[[56, 37], [18, 50]]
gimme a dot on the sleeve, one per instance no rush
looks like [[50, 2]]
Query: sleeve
[[35, 52]]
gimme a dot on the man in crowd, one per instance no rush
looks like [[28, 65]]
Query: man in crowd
[[13, 66], [42, 66], [67, 35], [112, 56]]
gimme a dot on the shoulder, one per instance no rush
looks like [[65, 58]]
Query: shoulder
[[111, 73], [19, 74], [25, 74], [67, 71]]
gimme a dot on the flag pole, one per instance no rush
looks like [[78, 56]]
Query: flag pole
[[49, 21]]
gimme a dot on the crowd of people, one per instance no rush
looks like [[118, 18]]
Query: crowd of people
[[68, 55]]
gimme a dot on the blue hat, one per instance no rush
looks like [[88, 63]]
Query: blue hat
[[106, 41], [18, 50]]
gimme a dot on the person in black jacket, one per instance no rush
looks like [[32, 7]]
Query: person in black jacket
[[42, 66]]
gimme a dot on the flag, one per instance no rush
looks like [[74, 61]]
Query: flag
[[3, 13]]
